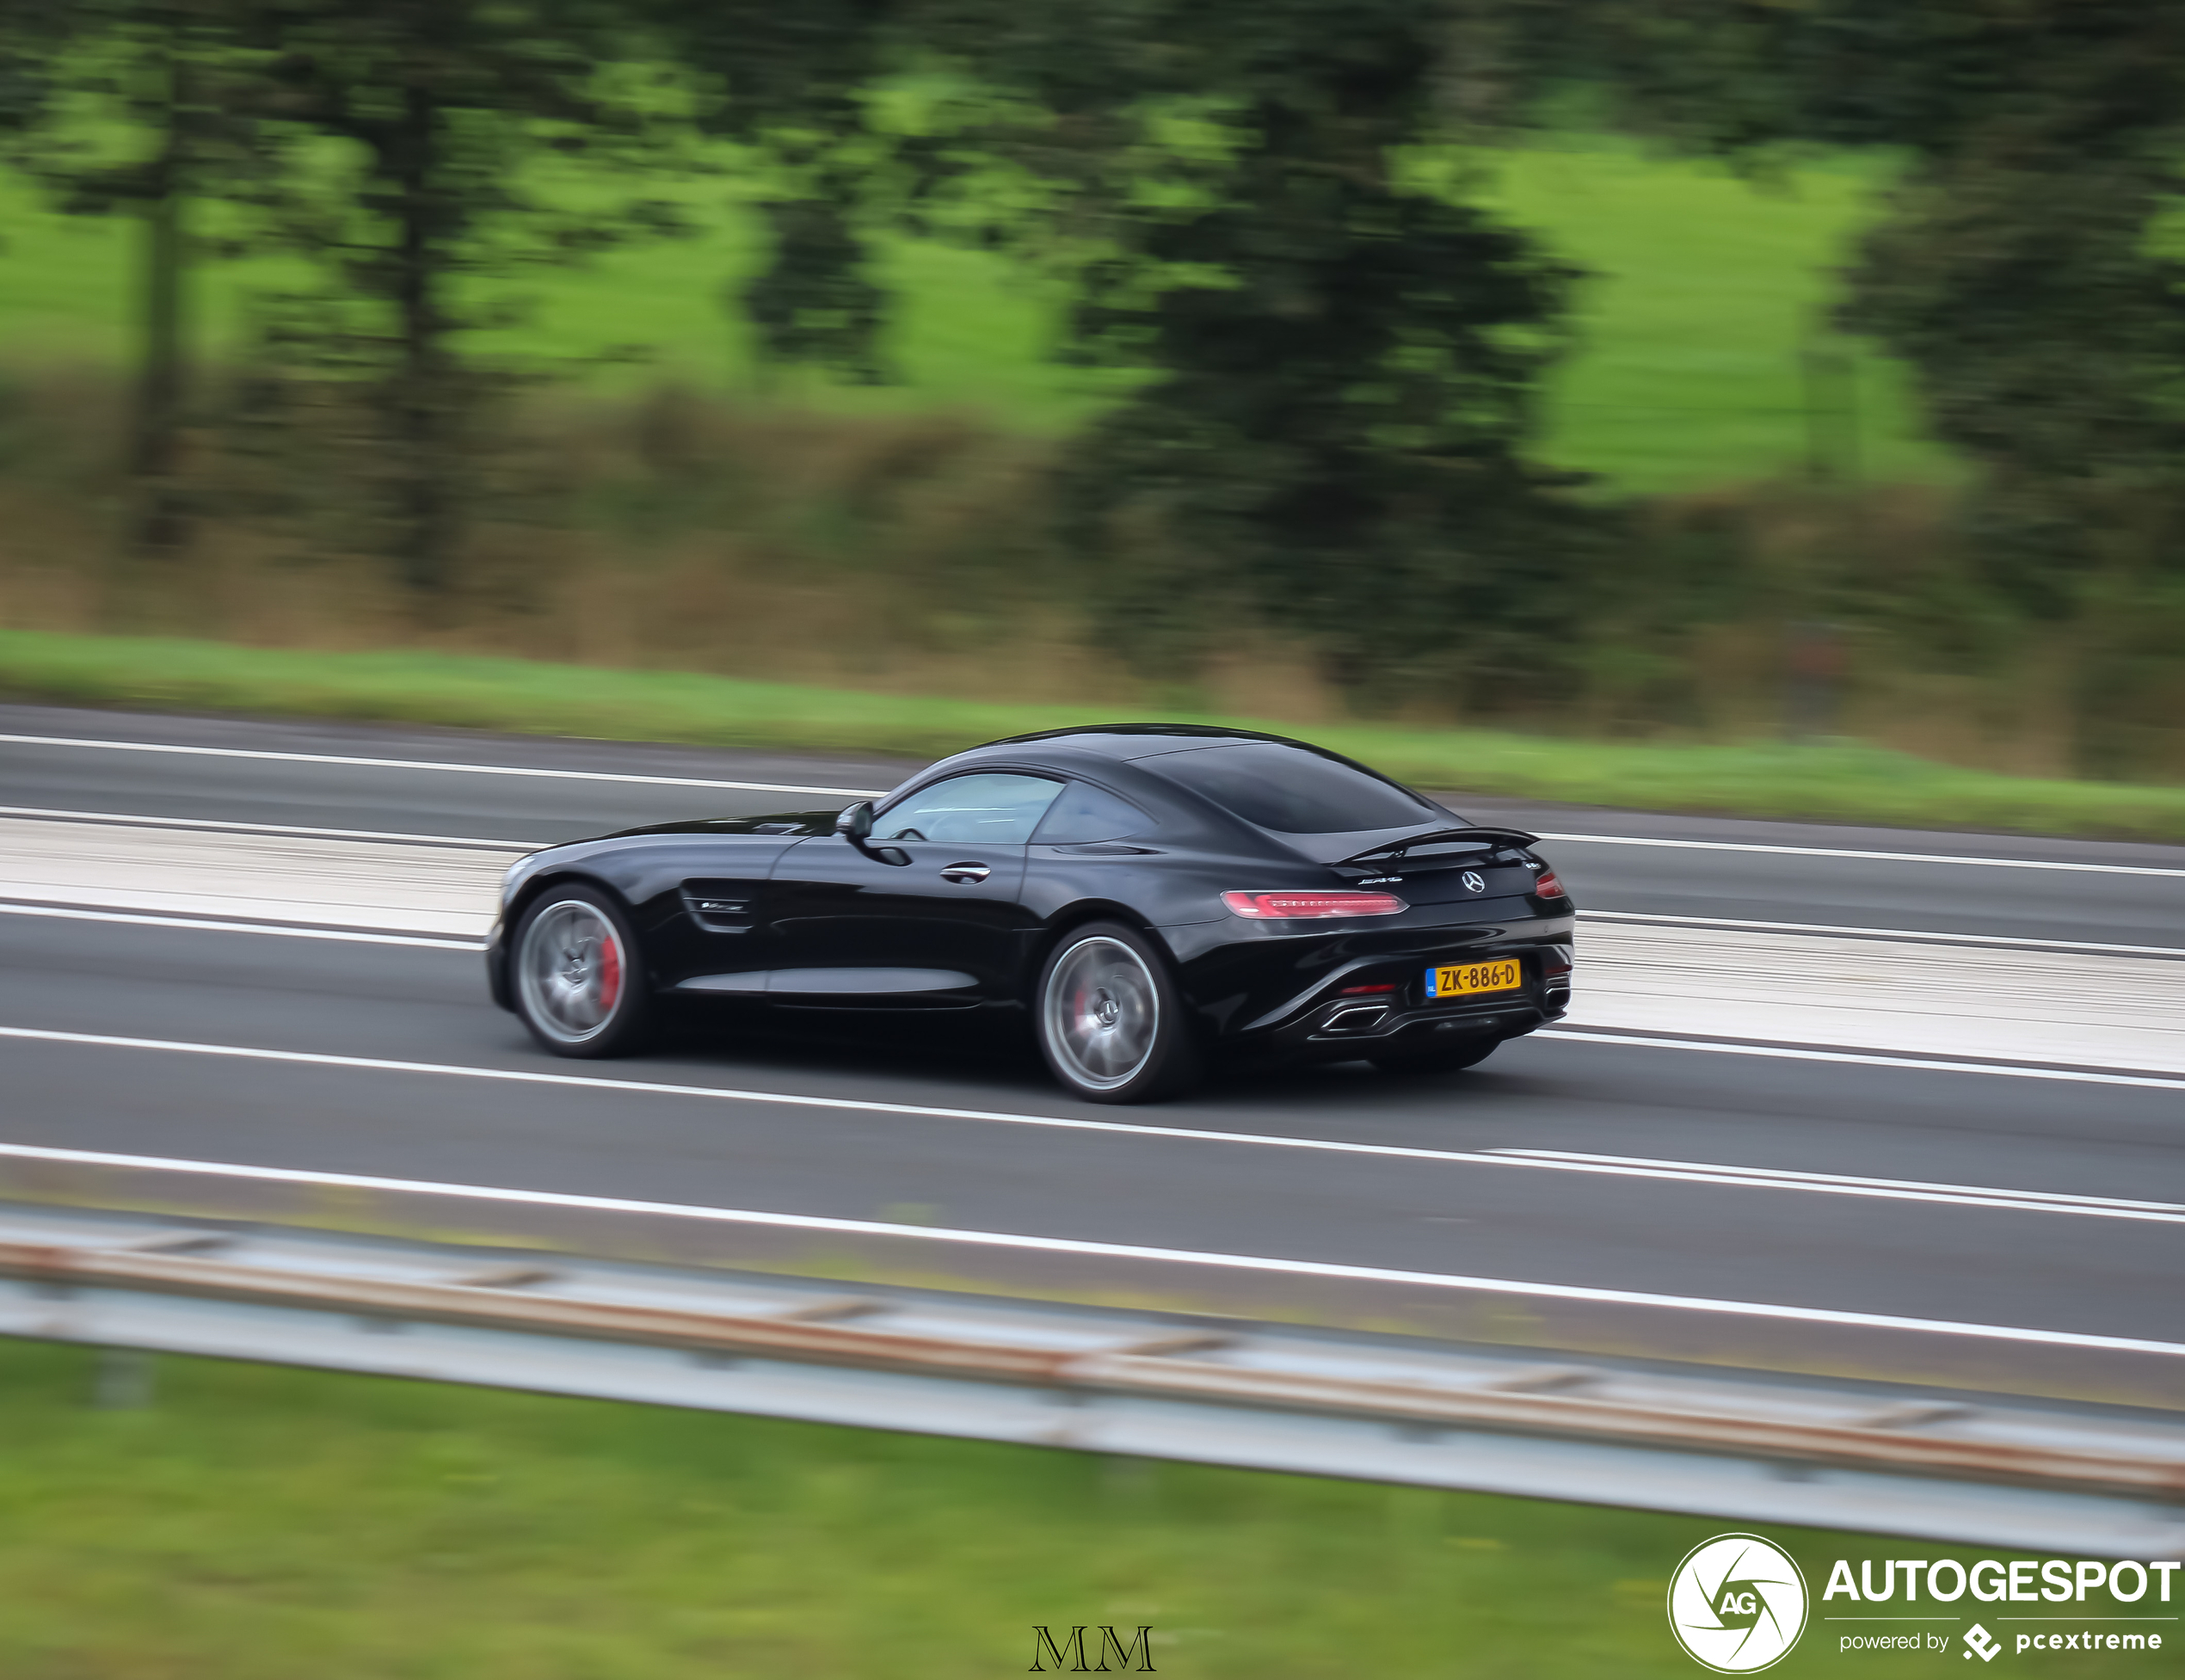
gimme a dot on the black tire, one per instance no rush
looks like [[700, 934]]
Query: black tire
[[1110, 1021], [1451, 1059], [577, 976]]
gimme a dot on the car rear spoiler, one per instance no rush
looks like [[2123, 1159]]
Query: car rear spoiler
[[1435, 836]]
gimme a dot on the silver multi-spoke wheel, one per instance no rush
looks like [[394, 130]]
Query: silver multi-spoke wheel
[[1103, 1012], [570, 971]]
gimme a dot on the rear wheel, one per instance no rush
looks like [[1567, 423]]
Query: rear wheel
[[579, 982], [1110, 1019], [1451, 1059]]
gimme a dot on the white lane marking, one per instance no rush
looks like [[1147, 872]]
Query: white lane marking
[[1754, 1178], [1844, 851], [431, 764], [1912, 936], [219, 826], [1115, 1250], [1859, 1059], [1839, 1183], [206, 924]]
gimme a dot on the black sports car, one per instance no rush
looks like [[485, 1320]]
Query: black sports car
[[1145, 896]]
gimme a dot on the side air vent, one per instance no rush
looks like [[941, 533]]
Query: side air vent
[[718, 907]]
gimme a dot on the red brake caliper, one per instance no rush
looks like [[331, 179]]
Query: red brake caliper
[[609, 972]]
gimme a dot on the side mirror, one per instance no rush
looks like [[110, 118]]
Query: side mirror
[[855, 824]]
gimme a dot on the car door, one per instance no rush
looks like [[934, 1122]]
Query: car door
[[927, 909]]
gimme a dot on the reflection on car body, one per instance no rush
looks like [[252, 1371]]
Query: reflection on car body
[[1144, 896]]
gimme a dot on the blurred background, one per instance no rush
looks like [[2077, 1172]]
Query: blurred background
[[1680, 369], [1761, 409]]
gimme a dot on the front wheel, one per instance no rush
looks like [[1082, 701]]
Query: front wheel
[[580, 980], [1110, 1019]]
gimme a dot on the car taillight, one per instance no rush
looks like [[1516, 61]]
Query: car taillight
[[1545, 885], [1311, 905]]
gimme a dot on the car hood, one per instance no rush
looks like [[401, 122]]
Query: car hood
[[787, 825]]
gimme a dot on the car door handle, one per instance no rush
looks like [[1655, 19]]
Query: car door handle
[[966, 875]]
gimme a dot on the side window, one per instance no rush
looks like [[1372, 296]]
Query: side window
[[996, 810], [1086, 813]]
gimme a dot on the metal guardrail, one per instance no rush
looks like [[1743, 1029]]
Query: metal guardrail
[[1872, 1458]]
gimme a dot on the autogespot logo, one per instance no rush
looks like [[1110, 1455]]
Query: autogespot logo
[[1737, 1603]]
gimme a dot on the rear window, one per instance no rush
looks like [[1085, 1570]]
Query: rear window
[[1292, 791], [1084, 814]]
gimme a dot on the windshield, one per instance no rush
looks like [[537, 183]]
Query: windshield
[[1290, 791]]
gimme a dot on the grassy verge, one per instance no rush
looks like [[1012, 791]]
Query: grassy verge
[[1843, 782], [261, 1524]]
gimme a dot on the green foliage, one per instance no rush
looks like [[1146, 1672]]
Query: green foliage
[[1341, 359], [145, 99], [145, 105], [1331, 335], [2019, 268], [32, 33], [796, 87], [1685, 372], [417, 129]]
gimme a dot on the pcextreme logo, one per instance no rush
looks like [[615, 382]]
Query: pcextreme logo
[[1737, 1603]]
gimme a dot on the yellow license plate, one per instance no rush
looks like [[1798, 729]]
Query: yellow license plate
[[1504, 977]]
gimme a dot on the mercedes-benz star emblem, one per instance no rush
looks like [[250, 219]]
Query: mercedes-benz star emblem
[[1474, 881]]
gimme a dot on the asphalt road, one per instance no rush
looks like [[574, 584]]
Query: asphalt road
[[1952, 1251]]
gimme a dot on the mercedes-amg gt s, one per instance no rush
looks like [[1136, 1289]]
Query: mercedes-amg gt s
[[1144, 896]]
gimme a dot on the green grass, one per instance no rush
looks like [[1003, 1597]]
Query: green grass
[[254, 1524], [1706, 288], [1842, 782]]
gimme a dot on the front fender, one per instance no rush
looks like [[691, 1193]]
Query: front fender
[[496, 966]]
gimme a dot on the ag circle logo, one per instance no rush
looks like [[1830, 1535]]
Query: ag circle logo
[[1737, 1603]]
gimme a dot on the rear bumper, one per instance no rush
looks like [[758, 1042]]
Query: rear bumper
[[1357, 1028], [1350, 991]]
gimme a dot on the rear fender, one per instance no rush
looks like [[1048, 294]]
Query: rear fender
[[1073, 917], [1077, 915]]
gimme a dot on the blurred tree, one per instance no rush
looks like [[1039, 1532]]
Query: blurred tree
[[435, 124], [138, 107], [31, 33], [2026, 266], [799, 87], [2023, 265], [1341, 352]]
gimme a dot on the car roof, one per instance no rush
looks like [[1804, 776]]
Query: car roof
[[1083, 749], [1144, 741]]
